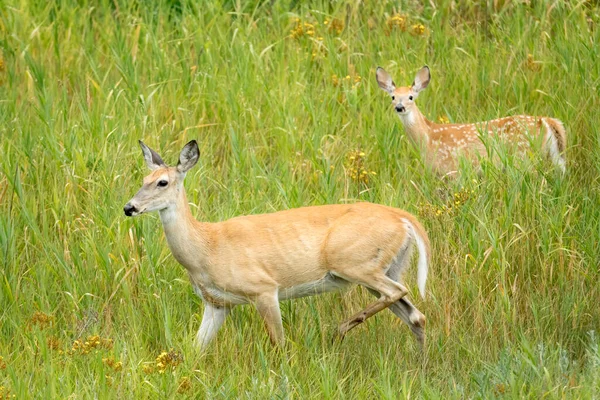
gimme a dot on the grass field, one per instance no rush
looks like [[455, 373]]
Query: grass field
[[283, 101]]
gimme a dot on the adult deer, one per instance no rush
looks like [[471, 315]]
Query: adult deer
[[263, 259], [443, 144]]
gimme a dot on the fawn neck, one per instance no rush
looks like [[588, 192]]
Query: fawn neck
[[417, 127], [185, 235]]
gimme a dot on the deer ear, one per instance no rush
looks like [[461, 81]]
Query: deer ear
[[385, 80], [153, 160], [188, 157], [421, 79]]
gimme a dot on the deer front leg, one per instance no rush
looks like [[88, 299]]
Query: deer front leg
[[212, 320], [268, 308]]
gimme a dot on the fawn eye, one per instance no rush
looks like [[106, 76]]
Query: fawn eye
[[410, 97], [393, 98], [162, 183]]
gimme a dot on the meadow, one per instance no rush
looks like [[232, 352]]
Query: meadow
[[282, 98]]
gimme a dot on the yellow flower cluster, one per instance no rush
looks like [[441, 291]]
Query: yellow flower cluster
[[428, 210], [41, 320], [308, 29], [400, 21], [115, 366], [352, 80], [111, 363], [93, 342], [302, 29], [356, 167], [164, 361], [397, 21], [5, 393], [417, 30], [335, 25], [442, 119], [185, 384]]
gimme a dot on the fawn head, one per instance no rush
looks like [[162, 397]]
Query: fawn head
[[162, 187], [403, 98]]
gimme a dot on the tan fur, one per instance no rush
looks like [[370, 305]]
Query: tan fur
[[256, 258], [443, 144], [250, 255]]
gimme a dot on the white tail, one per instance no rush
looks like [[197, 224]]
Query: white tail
[[423, 263], [262, 259], [444, 143]]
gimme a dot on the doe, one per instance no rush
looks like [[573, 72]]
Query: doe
[[444, 143], [263, 259]]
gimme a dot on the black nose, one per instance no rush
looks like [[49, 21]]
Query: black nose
[[400, 108], [129, 209]]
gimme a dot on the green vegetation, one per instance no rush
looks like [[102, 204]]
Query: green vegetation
[[287, 113]]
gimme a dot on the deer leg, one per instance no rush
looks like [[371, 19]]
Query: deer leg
[[212, 320], [410, 315], [390, 292], [268, 308]]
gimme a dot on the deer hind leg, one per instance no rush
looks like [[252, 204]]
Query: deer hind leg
[[403, 308], [212, 320], [554, 142], [390, 292], [410, 315], [268, 308]]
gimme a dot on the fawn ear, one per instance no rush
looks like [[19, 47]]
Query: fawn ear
[[385, 80], [153, 160], [421, 79], [188, 157]]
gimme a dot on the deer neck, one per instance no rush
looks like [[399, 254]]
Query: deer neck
[[187, 237], [417, 127]]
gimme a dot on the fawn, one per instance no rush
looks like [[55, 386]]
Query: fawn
[[443, 144], [263, 259]]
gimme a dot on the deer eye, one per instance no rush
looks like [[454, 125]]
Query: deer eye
[[393, 98], [162, 183], [410, 97]]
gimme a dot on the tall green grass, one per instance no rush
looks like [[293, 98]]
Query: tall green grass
[[513, 290]]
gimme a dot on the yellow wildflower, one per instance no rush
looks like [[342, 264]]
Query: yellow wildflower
[[442, 119], [417, 30], [168, 359], [5, 393], [356, 168], [111, 363], [336, 25], [397, 21], [41, 320], [93, 342], [458, 200], [303, 28]]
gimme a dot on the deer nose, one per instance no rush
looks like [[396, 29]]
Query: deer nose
[[129, 209], [400, 108]]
